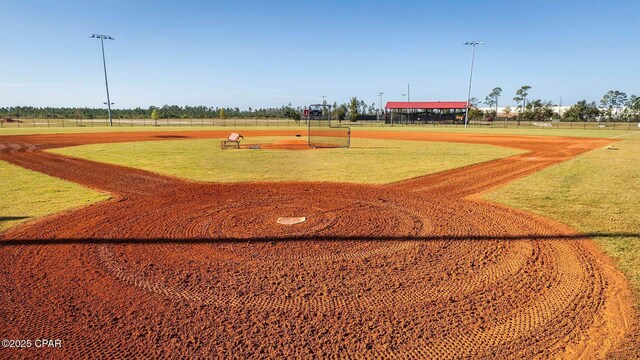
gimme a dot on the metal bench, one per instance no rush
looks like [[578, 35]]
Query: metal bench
[[233, 140]]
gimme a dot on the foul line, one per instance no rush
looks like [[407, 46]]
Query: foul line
[[619, 136]]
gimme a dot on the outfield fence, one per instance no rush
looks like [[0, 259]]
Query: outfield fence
[[59, 122], [578, 125], [62, 123]]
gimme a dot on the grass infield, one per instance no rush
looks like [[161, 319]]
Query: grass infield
[[367, 161], [28, 195]]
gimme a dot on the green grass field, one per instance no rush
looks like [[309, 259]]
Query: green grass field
[[367, 161], [598, 192], [28, 195], [87, 130], [599, 133], [602, 133]]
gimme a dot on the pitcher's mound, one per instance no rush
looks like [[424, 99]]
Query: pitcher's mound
[[288, 145], [291, 220]]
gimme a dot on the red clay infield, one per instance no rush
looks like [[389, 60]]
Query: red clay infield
[[417, 269]]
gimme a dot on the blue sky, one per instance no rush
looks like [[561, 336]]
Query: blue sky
[[270, 53]]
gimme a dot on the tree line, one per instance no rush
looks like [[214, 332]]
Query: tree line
[[355, 106], [614, 105], [164, 112]]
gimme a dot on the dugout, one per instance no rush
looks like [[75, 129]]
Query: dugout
[[424, 112]]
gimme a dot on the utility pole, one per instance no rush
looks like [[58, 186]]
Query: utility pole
[[104, 64], [380, 112], [560, 109], [408, 100], [473, 55]]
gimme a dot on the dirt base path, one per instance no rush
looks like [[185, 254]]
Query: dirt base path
[[420, 268]]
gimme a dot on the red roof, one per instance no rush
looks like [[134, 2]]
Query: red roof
[[426, 105]]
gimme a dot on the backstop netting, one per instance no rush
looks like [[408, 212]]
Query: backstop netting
[[324, 132]]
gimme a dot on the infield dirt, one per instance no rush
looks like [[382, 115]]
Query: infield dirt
[[418, 268]]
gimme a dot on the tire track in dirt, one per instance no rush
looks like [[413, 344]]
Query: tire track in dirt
[[418, 268]]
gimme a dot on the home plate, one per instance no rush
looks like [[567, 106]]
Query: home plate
[[291, 220]]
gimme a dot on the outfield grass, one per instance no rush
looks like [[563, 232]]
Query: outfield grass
[[367, 161], [595, 192], [515, 131], [87, 130], [599, 133], [27, 195]]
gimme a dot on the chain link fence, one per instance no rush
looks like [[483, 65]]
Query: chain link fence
[[237, 122], [59, 122]]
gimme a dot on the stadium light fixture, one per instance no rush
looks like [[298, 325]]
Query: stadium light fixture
[[473, 54], [104, 64]]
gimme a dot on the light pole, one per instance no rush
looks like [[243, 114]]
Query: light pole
[[559, 110], [380, 112], [104, 64], [403, 95], [473, 54]]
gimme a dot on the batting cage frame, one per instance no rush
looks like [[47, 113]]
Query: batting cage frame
[[323, 132]]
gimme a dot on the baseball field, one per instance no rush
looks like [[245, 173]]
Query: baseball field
[[416, 244]]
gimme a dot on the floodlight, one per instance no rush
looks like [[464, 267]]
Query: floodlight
[[104, 64], [473, 54]]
